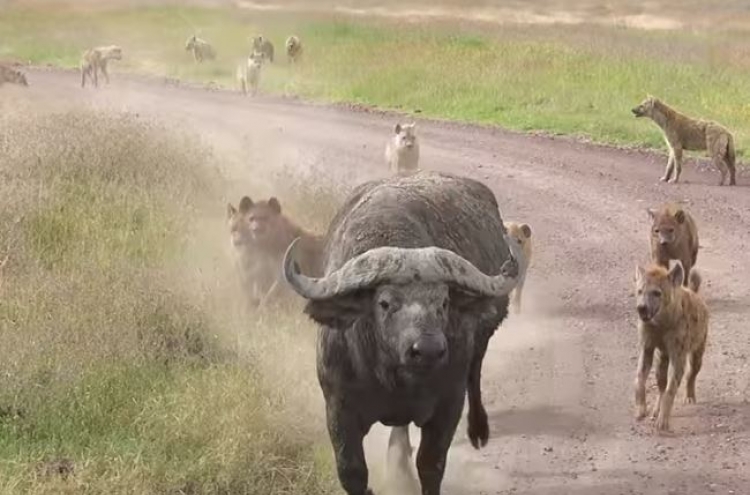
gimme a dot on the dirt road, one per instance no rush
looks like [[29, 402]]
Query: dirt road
[[558, 378]]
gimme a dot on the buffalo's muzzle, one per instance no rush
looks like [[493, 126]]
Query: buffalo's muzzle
[[428, 350]]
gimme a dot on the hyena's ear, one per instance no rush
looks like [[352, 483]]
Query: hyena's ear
[[245, 204], [651, 213], [275, 205], [680, 216], [677, 273], [639, 273], [231, 210], [526, 229], [398, 128]]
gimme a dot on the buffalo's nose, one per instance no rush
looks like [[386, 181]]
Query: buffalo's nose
[[429, 349]]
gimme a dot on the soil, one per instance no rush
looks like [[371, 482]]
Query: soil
[[558, 378]]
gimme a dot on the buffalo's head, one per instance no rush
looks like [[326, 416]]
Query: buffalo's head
[[408, 293]]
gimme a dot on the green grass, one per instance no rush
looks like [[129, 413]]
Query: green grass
[[578, 80], [121, 347]]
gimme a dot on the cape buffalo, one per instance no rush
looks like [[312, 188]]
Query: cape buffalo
[[417, 275]]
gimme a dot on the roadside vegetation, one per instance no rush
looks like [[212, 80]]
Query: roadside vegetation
[[578, 80], [126, 365]]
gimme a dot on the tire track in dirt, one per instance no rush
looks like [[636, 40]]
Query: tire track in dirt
[[558, 378]]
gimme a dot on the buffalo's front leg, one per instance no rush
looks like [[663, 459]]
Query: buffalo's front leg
[[478, 425], [437, 435], [347, 434]]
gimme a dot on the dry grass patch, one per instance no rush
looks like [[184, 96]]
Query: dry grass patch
[[119, 369]]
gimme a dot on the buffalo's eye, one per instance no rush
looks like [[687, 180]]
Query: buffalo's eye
[[445, 304], [384, 305]]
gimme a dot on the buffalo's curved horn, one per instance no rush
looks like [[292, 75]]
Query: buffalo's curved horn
[[395, 265]]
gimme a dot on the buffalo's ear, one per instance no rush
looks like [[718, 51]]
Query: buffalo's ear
[[339, 312]]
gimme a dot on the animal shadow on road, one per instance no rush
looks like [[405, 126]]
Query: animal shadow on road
[[621, 481], [592, 311], [541, 420], [713, 418], [733, 306]]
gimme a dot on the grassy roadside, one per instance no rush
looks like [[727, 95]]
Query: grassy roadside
[[578, 80], [125, 366]]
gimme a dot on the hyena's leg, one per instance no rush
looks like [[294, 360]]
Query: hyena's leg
[[518, 293], [83, 76], [677, 165], [93, 71], [644, 368], [696, 361], [676, 370], [103, 66], [661, 380], [718, 152], [670, 166]]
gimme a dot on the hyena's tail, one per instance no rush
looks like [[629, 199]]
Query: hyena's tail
[[731, 160], [694, 280]]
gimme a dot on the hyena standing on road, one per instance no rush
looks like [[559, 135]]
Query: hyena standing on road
[[674, 236], [264, 46], [683, 133], [520, 234], [248, 73], [402, 150], [293, 49], [200, 48], [9, 74], [674, 320], [95, 60]]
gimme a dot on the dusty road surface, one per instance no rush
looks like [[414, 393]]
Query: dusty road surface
[[558, 378]]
